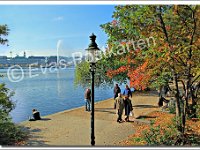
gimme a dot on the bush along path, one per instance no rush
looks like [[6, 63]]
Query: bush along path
[[162, 131]]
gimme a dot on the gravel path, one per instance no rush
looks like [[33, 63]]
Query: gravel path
[[72, 127]]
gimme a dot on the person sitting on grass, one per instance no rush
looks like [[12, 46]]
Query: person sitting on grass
[[36, 115]]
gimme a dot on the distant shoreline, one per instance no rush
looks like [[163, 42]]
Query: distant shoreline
[[69, 67]]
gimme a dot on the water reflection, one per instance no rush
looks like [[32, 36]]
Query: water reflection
[[58, 83]]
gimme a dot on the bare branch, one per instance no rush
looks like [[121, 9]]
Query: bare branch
[[195, 79]]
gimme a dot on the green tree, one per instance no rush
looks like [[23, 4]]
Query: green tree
[[10, 133], [83, 76], [3, 33]]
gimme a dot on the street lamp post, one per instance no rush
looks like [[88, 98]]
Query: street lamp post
[[92, 51]]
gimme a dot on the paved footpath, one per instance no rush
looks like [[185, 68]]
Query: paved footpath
[[72, 127]]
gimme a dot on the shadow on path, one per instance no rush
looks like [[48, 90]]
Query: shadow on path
[[145, 117], [145, 106], [32, 139], [45, 119], [104, 110]]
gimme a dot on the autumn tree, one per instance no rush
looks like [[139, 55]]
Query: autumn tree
[[175, 55], [149, 45]]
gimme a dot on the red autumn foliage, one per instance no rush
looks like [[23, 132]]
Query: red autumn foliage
[[136, 73]]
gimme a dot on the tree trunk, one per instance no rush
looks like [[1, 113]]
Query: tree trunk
[[183, 114], [194, 104], [179, 116]]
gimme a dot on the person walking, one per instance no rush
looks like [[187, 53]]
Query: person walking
[[127, 91], [117, 90], [88, 99], [128, 107], [119, 107]]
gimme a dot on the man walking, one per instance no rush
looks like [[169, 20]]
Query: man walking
[[88, 99], [117, 90], [127, 92], [119, 107]]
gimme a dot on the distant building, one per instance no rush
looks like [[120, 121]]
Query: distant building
[[21, 60], [34, 60], [18, 60], [52, 59], [40, 60], [3, 57], [3, 60]]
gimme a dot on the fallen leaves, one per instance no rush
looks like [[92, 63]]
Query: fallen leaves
[[163, 120]]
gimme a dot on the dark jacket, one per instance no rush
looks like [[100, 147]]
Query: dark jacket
[[36, 115], [88, 94], [116, 91], [128, 106]]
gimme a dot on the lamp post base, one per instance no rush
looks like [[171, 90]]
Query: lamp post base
[[93, 143]]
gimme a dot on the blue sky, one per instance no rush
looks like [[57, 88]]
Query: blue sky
[[36, 29]]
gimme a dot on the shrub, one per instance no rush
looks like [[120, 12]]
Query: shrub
[[158, 135], [198, 110], [172, 106], [10, 133], [169, 136], [172, 109]]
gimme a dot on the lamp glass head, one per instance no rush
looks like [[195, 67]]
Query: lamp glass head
[[92, 50]]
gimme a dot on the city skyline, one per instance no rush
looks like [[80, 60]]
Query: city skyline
[[22, 55], [37, 29]]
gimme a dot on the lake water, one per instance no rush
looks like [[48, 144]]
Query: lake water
[[49, 93]]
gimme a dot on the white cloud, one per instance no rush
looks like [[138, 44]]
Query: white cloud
[[59, 18]]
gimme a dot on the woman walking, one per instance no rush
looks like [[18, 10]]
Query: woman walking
[[128, 108]]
